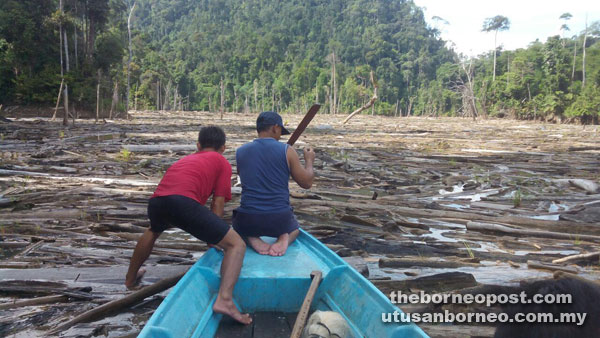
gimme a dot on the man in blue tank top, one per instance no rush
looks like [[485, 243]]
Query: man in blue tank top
[[265, 166]]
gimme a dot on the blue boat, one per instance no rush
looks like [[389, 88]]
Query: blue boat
[[277, 284]]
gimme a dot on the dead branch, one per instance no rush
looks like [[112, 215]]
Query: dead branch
[[369, 104]]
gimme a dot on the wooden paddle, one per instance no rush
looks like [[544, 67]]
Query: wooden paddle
[[304, 123], [303, 314]]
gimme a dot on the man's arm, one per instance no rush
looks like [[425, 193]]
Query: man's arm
[[218, 205], [302, 175]]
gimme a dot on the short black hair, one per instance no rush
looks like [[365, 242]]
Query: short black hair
[[211, 137]]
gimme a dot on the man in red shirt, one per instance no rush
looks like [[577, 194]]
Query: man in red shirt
[[179, 201]]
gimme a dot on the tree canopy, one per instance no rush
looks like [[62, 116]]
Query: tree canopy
[[254, 55]]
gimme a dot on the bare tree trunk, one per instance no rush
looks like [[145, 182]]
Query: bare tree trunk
[[62, 82], [508, 71], [410, 103], [316, 93], [494, 75], [84, 32], [130, 56], [470, 87], [98, 95], [262, 99], [158, 95], [328, 97], [115, 99], [75, 44], [222, 97], [235, 100], [369, 104], [66, 91], [91, 37], [175, 98], [167, 99], [339, 99], [255, 95], [574, 59], [272, 99], [333, 85], [583, 55], [137, 85]]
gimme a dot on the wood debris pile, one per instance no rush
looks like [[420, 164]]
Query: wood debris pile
[[407, 201]]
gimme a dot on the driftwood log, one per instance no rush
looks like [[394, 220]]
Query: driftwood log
[[110, 307]]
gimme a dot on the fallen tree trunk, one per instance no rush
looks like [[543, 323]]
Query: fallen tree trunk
[[551, 267], [478, 226], [430, 263], [580, 257], [6, 172], [34, 301], [155, 148], [110, 307], [442, 282]]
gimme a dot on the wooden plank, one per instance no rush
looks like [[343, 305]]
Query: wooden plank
[[303, 314]]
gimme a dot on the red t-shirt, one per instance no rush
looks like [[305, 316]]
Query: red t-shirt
[[197, 176]]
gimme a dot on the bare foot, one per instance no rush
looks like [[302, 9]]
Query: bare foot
[[259, 245], [229, 308], [138, 279], [280, 247]]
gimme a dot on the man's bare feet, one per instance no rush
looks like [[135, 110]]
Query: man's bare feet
[[134, 285], [259, 245], [227, 307], [280, 247]]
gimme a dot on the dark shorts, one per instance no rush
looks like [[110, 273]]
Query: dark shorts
[[188, 215], [272, 225]]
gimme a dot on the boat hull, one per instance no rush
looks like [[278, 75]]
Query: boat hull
[[277, 284]]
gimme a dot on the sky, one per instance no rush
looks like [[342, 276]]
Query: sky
[[529, 20]]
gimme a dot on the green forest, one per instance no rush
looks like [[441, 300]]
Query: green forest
[[254, 55]]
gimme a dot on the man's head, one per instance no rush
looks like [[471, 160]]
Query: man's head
[[269, 122], [211, 137]]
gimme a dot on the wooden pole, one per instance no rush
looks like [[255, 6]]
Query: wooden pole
[[303, 314], [105, 309]]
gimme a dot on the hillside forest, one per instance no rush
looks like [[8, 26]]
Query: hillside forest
[[107, 56]]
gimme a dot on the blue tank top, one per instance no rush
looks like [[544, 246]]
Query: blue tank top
[[264, 172]]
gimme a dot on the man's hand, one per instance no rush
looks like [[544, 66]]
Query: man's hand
[[309, 155]]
